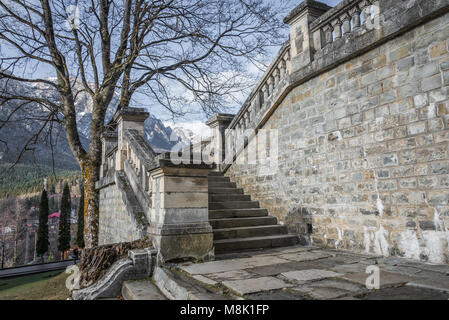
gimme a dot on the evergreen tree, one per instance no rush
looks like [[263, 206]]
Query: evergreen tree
[[64, 220], [80, 230], [42, 231]]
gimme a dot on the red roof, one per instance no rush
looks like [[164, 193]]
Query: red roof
[[54, 215]]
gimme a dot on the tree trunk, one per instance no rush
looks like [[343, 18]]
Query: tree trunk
[[90, 173]]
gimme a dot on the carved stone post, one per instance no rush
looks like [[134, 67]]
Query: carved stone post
[[301, 39], [218, 125], [179, 220], [127, 118], [108, 141]]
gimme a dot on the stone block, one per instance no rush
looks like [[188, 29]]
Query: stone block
[[310, 275], [243, 287], [431, 83]]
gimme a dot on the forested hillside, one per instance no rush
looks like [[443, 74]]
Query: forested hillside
[[28, 178]]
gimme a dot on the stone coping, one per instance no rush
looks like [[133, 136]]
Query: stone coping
[[307, 3], [333, 13]]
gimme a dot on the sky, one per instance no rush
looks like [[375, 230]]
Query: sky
[[194, 122]]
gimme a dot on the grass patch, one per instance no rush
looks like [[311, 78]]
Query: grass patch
[[42, 286]]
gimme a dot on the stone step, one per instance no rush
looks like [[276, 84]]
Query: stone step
[[249, 232], [233, 205], [229, 197], [215, 185], [237, 213], [225, 191], [235, 245], [215, 174], [180, 287], [218, 179], [141, 290], [242, 222]]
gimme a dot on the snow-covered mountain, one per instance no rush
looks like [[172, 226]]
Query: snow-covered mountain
[[159, 136]]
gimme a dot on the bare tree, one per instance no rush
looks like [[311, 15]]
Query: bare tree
[[123, 48]]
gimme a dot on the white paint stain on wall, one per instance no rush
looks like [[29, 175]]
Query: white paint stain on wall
[[409, 244], [339, 239], [377, 239]]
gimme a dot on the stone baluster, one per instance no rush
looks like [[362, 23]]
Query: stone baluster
[[346, 19], [272, 83], [266, 91], [327, 29], [268, 84], [336, 25], [276, 75], [355, 13], [365, 6], [283, 68]]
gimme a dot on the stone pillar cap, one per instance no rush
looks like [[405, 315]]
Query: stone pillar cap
[[131, 114], [315, 6], [219, 117], [109, 134]]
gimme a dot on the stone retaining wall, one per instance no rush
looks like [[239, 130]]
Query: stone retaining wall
[[363, 160]]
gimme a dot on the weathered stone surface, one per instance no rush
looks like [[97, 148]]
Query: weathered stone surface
[[232, 275], [405, 293], [141, 290], [231, 265], [386, 278], [309, 275], [304, 256], [358, 132], [205, 280], [329, 289], [246, 286]]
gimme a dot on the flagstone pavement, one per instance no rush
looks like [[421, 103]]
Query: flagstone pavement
[[313, 273]]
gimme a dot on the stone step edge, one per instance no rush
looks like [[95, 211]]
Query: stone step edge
[[172, 289], [255, 238], [243, 218], [129, 294], [250, 227]]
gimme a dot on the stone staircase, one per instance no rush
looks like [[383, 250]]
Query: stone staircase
[[239, 223]]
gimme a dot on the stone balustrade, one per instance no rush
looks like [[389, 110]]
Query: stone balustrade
[[271, 83], [143, 193], [348, 17]]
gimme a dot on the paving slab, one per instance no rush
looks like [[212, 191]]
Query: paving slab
[[305, 256], [274, 295], [405, 293], [409, 271], [386, 278], [329, 289], [254, 285], [232, 275], [277, 269], [350, 268], [295, 249], [437, 283], [310, 275], [205, 280], [230, 265], [342, 259]]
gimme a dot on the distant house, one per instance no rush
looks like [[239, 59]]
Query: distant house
[[5, 230], [54, 215]]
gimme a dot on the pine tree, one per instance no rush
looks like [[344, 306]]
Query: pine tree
[[80, 230], [42, 231], [64, 220]]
